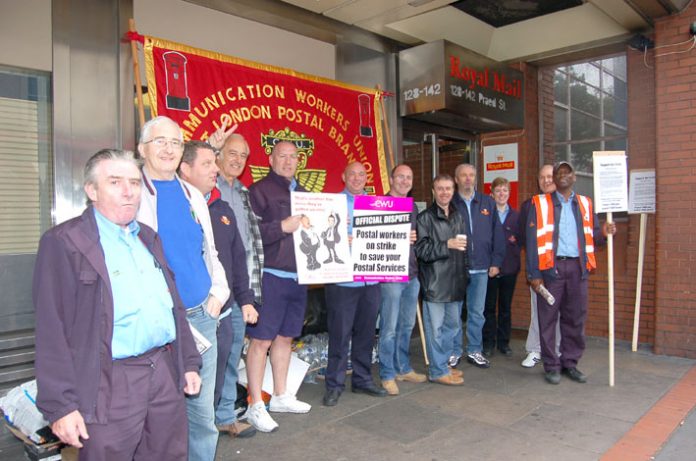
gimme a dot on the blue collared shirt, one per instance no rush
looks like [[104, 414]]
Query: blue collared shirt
[[567, 228], [351, 204], [230, 194], [502, 215], [143, 317]]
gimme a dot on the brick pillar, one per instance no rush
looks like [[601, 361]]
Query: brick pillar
[[675, 86]]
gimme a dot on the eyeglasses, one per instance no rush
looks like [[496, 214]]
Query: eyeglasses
[[161, 141]]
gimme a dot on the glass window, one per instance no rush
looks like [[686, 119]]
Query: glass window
[[560, 87], [26, 176], [585, 97], [587, 72], [615, 110], [583, 126], [590, 113], [560, 125]]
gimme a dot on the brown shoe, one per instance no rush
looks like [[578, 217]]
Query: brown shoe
[[238, 429], [456, 373], [412, 377], [390, 386], [449, 380]]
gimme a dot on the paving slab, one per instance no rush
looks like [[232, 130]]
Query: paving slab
[[505, 412]]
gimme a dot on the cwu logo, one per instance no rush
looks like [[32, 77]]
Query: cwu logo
[[379, 203]]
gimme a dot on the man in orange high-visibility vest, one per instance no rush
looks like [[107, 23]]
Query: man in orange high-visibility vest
[[561, 237]]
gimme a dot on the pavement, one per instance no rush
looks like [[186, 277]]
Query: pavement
[[506, 412]]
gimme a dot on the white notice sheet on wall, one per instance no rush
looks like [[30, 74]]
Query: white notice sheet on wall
[[641, 193]]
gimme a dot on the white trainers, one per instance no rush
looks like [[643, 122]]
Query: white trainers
[[288, 403], [257, 416], [532, 359]]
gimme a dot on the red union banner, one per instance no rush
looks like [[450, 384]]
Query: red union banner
[[331, 123]]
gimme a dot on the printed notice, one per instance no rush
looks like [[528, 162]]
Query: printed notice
[[381, 238], [641, 193], [610, 181]]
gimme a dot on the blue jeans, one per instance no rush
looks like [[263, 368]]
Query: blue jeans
[[441, 321], [225, 410], [397, 316], [475, 302], [203, 435]]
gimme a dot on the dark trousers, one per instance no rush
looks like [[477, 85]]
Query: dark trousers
[[351, 317], [225, 338], [496, 330], [570, 309], [147, 415]]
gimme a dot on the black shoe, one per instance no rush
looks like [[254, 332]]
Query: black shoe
[[338, 261], [331, 397], [370, 389], [328, 261], [505, 350], [575, 374], [487, 352], [552, 377]]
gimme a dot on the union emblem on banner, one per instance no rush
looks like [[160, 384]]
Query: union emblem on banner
[[331, 123]]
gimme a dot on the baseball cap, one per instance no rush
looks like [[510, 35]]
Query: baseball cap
[[560, 164]]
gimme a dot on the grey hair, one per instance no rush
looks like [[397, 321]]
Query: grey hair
[[150, 124], [232, 137], [106, 154], [464, 165]]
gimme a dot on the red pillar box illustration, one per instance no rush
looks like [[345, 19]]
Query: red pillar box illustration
[[177, 84]]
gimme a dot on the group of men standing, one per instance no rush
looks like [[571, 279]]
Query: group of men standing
[[182, 242], [164, 254]]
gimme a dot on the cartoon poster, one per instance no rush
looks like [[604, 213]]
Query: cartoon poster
[[322, 253], [381, 243]]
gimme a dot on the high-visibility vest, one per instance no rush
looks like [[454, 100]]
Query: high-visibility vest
[[545, 226]]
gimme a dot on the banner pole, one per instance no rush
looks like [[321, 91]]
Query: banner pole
[[422, 333], [610, 265], [387, 132], [136, 74], [639, 280]]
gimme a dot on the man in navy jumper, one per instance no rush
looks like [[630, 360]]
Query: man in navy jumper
[[351, 315], [486, 246], [198, 167], [284, 300]]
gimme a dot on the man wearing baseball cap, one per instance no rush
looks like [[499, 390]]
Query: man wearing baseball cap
[[561, 238]]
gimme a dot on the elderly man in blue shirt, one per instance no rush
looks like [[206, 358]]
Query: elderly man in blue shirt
[[113, 349]]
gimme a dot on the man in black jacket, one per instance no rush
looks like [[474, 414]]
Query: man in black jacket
[[443, 274], [199, 168]]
